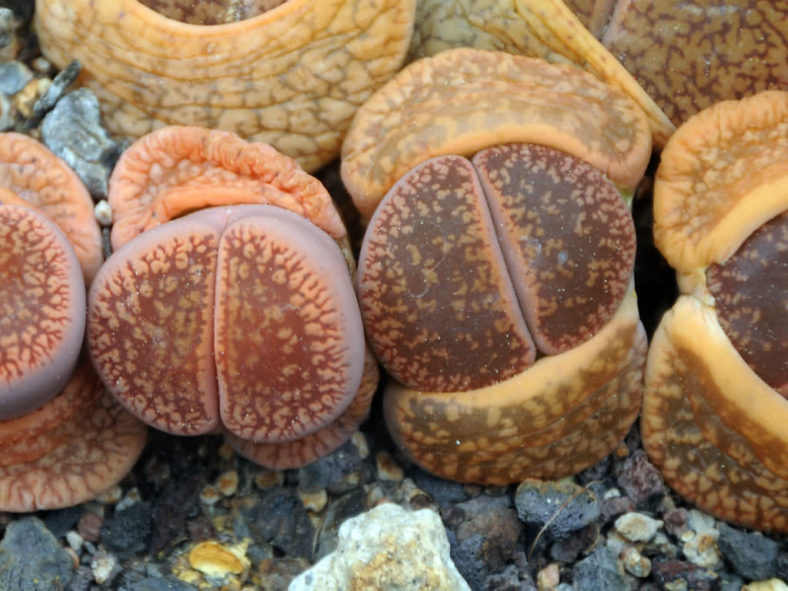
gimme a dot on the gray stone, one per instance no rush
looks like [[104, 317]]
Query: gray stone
[[387, 548], [73, 131], [560, 507], [445, 492], [599, 571], [57, 89], [127, 531], [13, 77], [752, 555], [31, 558], [280, 519], [331, 472]]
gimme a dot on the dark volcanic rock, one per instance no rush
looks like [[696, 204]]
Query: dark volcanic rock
[[31, 558], [561, 507], [127, 531], [280, 518], [669, 570], [753, 556], [599, 572]]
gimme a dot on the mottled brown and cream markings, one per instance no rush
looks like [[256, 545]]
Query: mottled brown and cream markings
[[715, 408], [522, 245], [495, 275]]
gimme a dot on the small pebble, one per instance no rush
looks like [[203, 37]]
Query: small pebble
[[637, 527], [110, 496], [359, 441], [548, 577], [28, 96], [640, 479], [269, 479], [210, 495], [104, 566], [387, 468], [32, 559], [635, 563], [74, 132], [227, 483], [103, 213], [89, 526], [75, 541], [214, 559], [130, 498], [701, 549], [313, 501], [13, 77], [599, 571], [41, 65]]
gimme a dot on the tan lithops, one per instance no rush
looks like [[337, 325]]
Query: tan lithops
[[548, 29], [463, 100], [290, 74], [690, 55], [716, 404], [495, 282]]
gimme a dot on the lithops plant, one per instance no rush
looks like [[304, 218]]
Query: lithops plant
[[239, 318], [690, 55], [30, 174], [64, 440], [549, 29], [715, 413], [495, 276], [287, 73]]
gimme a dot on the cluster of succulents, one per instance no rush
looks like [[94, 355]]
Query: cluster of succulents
[[495, 281]]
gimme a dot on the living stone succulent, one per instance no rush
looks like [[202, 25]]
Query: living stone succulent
[[495, 276], [715, 413], [240, 317]]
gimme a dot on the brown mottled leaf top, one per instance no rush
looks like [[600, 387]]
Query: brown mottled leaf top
[[689, 55]]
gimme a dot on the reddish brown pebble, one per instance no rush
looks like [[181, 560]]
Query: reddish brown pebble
[[42, 310]]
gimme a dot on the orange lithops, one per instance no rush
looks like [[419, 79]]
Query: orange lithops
[[495, 280], [290, 74], [70, 450], [716, 403], [175, 170], [412, 119], [64, 439], [33, 175]]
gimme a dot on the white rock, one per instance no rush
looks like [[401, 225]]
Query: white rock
[[388, 549], [637, 527]]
